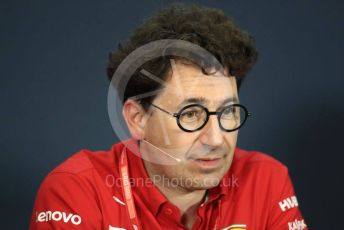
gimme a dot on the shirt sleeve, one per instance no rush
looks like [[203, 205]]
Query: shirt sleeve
[[285, 212], [65, 201]]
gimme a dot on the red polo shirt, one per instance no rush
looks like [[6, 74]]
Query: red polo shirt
[[85, 192]]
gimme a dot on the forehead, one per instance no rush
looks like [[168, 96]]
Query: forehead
[[188, 81]]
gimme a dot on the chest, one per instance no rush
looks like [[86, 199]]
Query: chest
[[241, 211]]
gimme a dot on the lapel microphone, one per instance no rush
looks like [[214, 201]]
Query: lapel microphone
[[167, 154]]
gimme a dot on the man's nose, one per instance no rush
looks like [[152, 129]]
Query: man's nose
[[212, 134]]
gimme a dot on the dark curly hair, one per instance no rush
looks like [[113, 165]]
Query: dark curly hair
[[207, 27]]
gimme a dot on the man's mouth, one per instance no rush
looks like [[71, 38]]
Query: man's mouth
[[209, 161]]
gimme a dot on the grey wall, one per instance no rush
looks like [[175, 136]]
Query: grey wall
[[53, 92]]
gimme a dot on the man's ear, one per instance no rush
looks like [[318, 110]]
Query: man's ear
[[135, 117]]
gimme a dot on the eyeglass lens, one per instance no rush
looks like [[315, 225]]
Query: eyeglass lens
[[194, 117]]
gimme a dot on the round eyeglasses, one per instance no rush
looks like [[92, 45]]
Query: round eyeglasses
[[194, 117]]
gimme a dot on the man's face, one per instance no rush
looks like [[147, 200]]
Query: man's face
[[205, 155]]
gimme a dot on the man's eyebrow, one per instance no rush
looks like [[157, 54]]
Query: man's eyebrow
[[193, 100], [203, 101], [230, 100]]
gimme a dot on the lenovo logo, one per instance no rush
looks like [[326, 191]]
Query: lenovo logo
[[58, 216]]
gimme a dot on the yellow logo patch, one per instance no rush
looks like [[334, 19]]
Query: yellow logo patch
[[235, 227]]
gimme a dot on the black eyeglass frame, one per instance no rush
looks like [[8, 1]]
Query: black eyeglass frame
[[209, 113]]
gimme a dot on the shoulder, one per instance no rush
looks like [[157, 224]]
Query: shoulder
[[75, 173], [255, 167], [244, 160], [78, 186], [87, 161], [257, 171], [257, 181], [72, 190], [85, 169]]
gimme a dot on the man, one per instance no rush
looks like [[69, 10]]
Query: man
[[178, 78]]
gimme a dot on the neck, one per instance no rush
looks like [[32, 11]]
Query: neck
[[186, 200]]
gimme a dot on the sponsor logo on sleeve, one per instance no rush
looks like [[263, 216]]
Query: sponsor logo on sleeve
[[58, 216], [235, 227], [288, 203], [297, 225]]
